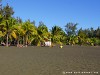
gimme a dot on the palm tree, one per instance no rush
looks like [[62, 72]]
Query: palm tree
[[57, 34], [7, 21], [1, 25], [81, 36], [19, 32], [73, 40], [42, 34], [8, 28], [30, 30]]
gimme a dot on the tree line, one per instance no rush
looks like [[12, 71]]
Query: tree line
[[13, 31]]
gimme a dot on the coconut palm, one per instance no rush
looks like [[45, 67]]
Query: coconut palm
[[7, 20], [8, 28], [73, 40], [19, 32], [57, 34], [81, 36], [30, 31], [1, 25], [42, 34]]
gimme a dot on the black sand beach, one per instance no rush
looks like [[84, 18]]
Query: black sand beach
[[50, 61]]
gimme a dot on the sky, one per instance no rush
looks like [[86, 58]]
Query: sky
[[58, 12]]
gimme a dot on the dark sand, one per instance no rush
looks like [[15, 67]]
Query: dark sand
[[49, 61]]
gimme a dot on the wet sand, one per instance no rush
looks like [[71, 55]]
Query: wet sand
[[50, 61]]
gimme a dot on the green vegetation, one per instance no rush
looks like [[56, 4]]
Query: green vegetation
[[13, 31]]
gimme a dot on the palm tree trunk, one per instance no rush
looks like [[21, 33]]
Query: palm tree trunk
[[23, 41], [18, 41], [26, 40], [7, 40]]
